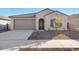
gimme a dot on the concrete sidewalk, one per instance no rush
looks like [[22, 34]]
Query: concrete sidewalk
[[47, 44], [60, 44]]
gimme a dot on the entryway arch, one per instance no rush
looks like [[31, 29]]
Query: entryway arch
[[41, 24]]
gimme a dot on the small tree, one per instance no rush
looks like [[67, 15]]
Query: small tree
[[58, 23]]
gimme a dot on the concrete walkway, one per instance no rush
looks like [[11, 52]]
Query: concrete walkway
[[14, 38], [47, 44], [60, 44]]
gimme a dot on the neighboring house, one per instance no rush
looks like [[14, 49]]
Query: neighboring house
[[74, 21], [5, 23], [38, 21]]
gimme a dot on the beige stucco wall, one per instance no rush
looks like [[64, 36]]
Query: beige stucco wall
[[24, 23], [51, 16], [11, 24], [74, 22], [47, 16], [41, 15]]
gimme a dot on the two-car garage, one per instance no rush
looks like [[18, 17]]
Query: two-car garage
[[24, 24], [23, 21]]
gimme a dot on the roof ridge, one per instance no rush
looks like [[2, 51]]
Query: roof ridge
[[45, 9], [21, 14]]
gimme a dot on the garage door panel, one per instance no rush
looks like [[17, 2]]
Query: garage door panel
[[25, 24]]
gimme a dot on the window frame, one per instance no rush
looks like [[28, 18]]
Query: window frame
[[52, 23]]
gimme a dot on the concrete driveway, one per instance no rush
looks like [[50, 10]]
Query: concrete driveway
[[14, 38]]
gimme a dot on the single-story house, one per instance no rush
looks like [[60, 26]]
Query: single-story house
[[41, 20], [4, 23]]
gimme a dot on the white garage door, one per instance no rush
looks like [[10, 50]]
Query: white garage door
[[25, 24]]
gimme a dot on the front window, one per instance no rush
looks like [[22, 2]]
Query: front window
[[52, 23]]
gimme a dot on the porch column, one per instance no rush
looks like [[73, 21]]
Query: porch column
[[37, 24]]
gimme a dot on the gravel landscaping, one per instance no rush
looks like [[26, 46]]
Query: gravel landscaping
[[53, 35]]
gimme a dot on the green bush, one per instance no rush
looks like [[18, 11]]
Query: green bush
[[58, 23]]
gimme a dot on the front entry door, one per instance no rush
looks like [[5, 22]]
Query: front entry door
[[41, 24]]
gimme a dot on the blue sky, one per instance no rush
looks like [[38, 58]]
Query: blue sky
[[16, 11]]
